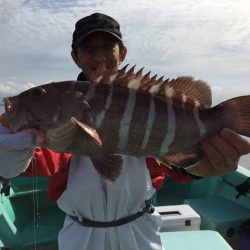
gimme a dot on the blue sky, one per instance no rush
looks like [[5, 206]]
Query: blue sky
[[170, 38]]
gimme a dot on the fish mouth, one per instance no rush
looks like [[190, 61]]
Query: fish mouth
[[15, 121], [16, 114]]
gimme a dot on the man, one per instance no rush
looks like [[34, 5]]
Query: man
[[91, 48], [101, 215]]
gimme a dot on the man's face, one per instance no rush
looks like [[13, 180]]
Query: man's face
[[100, 52]]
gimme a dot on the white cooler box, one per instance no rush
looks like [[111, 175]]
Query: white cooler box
[[178, 218]]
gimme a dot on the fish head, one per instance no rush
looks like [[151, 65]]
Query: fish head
[[45, 107]]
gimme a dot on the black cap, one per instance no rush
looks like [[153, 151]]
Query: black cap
[[94, 23]]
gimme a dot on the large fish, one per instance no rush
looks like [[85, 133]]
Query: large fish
[[126, 113]]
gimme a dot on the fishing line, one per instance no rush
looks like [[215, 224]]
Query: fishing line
[[35, 202]]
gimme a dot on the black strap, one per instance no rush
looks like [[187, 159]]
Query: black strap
[[102, 224], [243, 188]]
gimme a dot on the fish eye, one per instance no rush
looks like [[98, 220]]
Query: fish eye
[[38, 92]]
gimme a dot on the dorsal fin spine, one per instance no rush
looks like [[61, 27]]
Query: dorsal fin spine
[[139, 73], [131, 71], [123, 70], [182, 89]]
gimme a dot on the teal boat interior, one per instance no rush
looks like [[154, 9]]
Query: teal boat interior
[[28, 220]]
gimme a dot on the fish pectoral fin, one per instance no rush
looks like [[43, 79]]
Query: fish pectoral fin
[[61, 137], [89, 131], [108, 166], [180, 160]]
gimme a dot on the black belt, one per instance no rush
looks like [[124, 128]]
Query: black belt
[[91, 223]]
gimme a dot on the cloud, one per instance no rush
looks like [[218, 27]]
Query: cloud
[[224, 92], [207, 40], [11, 87]]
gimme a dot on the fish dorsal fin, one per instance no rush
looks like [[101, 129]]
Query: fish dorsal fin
[[189, 90], [184, 88]]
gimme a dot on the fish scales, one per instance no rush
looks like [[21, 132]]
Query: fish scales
[[186, 127], [212, 119], [121, 125], [169, 136], [200, 124], [160, 126], [108, 100], [125, 122], [102, 93], [126, 128], [138, 126], [149, 123], [111, 124]]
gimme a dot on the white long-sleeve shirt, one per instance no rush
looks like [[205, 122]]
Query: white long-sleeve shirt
[[16, 151]]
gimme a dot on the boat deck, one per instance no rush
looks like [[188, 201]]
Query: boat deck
[[26, 215], [175, 241]]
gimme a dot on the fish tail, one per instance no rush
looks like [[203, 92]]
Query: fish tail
[[237, 114]]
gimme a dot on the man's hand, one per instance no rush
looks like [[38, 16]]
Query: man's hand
[[221, 154], [16, 149]]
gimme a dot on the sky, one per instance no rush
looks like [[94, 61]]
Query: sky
[[206, 40], [210, 41]]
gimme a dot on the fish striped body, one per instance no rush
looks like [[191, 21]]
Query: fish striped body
[[131, 114], [143, 124]]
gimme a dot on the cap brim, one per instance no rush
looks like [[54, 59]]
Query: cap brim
[[82, 38]]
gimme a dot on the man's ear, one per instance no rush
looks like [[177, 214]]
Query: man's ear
[[123, 54], [75, 58]]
